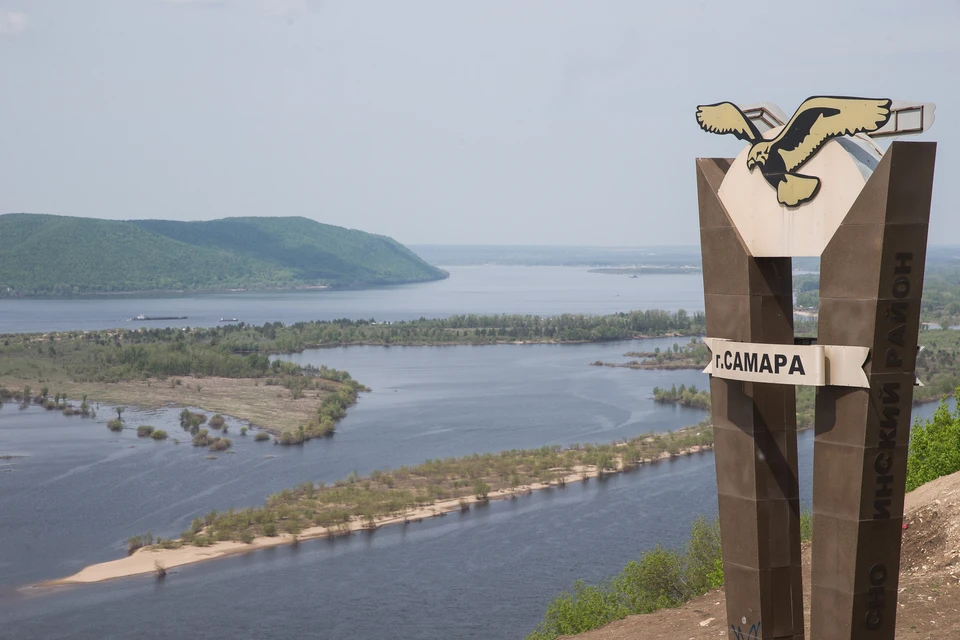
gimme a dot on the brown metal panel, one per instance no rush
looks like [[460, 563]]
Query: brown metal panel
[[871, 281], [751, 300]]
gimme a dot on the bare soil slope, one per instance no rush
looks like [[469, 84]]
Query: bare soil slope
[[929, 601]]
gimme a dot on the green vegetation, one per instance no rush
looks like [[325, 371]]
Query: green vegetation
[[660, 578], [158, 434], [240, 351], [115, 424], [58, 255], [191, 421], [144, 431], [394, 492], [941, 291], [694, 354], [688, 397], [142, 540], [261, 436], [145, 355], [938, 366], [332, 408], [934, 446], [214, 443]]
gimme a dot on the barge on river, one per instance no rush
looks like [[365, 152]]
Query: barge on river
[[142, 318]]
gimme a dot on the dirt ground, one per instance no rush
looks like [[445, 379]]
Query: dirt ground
[[269, 407], [929, 600]]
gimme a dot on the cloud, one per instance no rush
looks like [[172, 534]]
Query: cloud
[[12, 23]]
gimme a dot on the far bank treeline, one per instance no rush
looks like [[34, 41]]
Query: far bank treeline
[[464, 329], [241, 350]]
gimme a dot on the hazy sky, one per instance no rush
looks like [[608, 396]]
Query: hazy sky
[[499, 122]]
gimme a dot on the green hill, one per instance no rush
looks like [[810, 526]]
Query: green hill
[[58, 255]]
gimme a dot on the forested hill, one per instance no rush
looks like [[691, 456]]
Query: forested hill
[[60, 255]]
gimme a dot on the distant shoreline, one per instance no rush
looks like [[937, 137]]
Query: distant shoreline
[[220, 290], [649, 270]]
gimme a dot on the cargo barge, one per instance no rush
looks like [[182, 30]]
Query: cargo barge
[[141, 318]]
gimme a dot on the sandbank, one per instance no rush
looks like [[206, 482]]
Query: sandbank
[[146, 560]]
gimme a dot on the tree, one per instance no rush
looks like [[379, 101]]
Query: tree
[[120, 411], [481, 489]]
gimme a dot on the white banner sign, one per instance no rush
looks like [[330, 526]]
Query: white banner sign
[[812, 365]]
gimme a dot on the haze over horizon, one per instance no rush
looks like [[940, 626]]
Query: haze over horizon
[[541, 123]]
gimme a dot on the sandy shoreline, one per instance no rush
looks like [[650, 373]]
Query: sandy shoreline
[[144, 561]]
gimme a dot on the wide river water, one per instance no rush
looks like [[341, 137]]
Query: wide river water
[[534, 290], [76, 491]]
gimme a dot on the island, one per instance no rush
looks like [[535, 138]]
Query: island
[[392, 497]]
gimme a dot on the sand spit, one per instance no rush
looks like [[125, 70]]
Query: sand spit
[[146, 560]]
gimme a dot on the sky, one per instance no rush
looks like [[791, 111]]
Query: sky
[[444, 122]]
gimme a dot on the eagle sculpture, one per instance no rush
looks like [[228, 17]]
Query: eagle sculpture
[[818, 119]]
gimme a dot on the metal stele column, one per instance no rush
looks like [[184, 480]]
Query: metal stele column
[[750, 299], [870, 285]]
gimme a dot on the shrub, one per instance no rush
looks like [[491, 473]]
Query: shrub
[[220, 444], [115, 425], [292, 437], [190, 420], [159, 434], [217, 421], [136, 542], [243, 431], [261, 436], [144, 431], [934, 446], [247, 537], [270, 529], [704, 568], [659, 578], [806, 526], [481, 489], [160, 569]]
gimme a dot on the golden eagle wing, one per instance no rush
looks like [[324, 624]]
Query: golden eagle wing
[[726, 117], [820, 118]]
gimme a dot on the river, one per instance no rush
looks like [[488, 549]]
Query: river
[[79, 491], [533, 290]]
